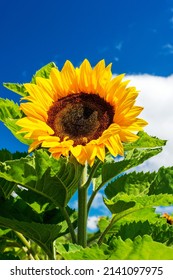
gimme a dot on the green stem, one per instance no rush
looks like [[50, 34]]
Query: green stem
[[31, 254], [82, 209], [69, 223], [90, 201], [54, 250], [92, 173]]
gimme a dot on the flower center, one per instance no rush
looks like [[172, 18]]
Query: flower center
[[81, 117]]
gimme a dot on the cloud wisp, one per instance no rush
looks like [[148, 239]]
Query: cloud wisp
[[156, 96], [168, 48]]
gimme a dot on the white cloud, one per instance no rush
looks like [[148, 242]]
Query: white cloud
[[164, 209], [156, 96], [92, 223], [168, 48], [98, 201]]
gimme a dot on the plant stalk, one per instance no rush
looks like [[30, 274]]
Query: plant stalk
[[29, 251], [69, 223], [82, 209]]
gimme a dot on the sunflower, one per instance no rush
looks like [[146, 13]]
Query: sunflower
[[81, 111]]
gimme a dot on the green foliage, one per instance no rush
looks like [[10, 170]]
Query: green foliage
[[44, 175], [7, 256], [132, 199], [76, 252], [44, 72], [132, 158], [141, 248], [145, 141], [18, 216], [6, 155], [7, 187], [160, 231], [17, 88], [132, 184], [9, 110], [9, 114], [163, 181], [39, 227]]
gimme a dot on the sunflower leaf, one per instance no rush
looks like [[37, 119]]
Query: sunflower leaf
[[77, 252], [132, 158], [137, 202], [42, 234], [43, 174], [15, 214], [9, 114], [16, 208], [163, 182], [138, 183], [145, 141], [132, 183], [9, 110], [44, 72], [160, 231], [4, 231], [134, 208], [135, 215], [6, 187], [142, 248], [17, 88]]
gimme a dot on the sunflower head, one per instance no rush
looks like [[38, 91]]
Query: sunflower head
[[81, 111]]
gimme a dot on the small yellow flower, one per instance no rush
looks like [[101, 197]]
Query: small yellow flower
[[81, 111]]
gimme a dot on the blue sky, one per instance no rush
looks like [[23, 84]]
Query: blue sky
[[136, 36]]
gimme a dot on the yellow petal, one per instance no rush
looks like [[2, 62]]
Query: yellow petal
[[101, 152], [39, 95], [31, 124], [34, 111], [69, 77], [56, 78], [33, 146], [47, 86], [79, 153], [85, 76]]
